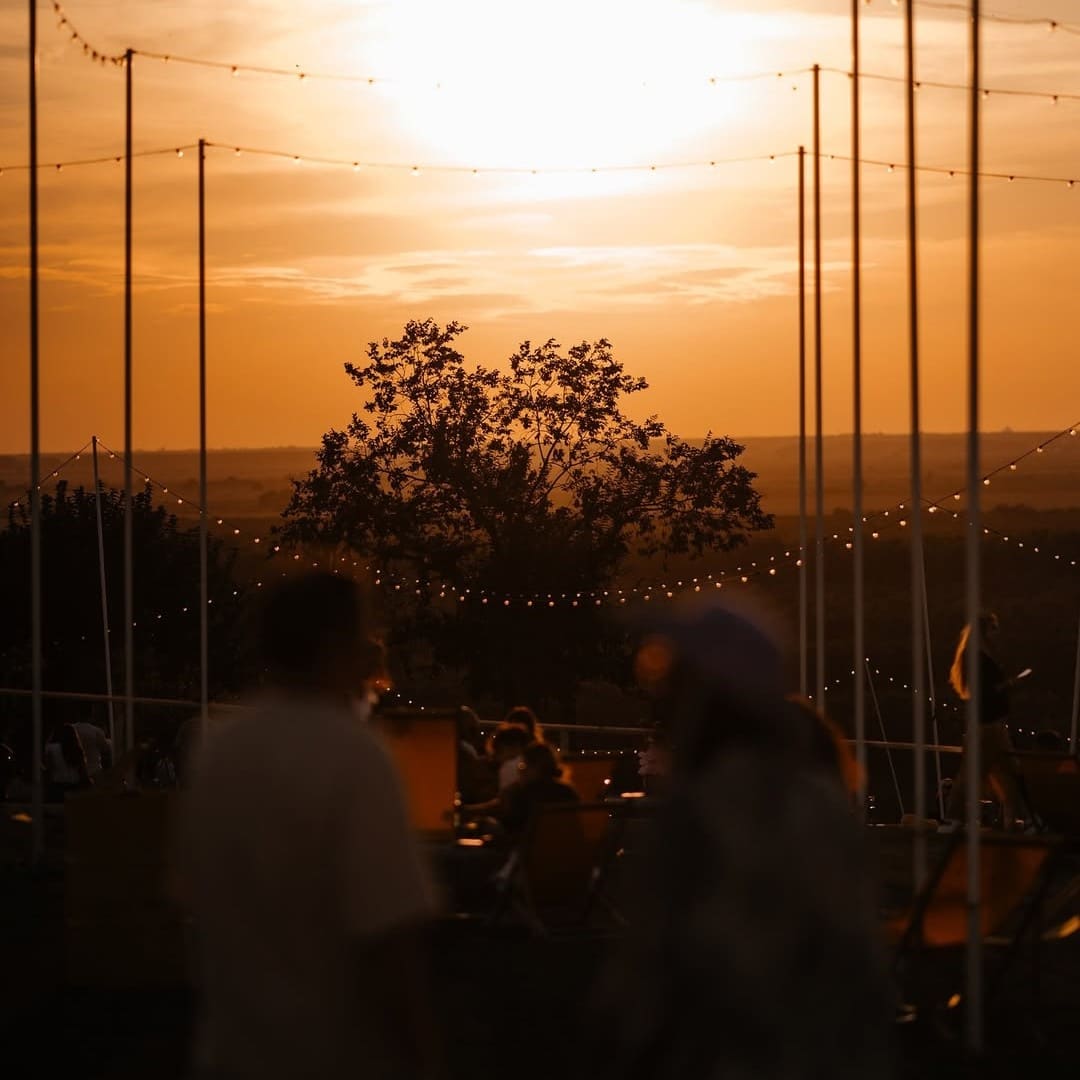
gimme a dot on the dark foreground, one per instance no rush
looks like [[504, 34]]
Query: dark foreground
[[511, 1004]]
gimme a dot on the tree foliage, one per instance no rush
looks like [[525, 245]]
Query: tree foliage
[[166, 596], [527, 480]]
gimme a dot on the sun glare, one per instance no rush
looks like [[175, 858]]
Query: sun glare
[[559, 83]]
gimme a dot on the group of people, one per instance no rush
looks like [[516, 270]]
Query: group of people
[[506, 777], [753, 943]]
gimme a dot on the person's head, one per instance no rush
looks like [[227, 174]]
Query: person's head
[[508, 741], [717, 677], [539, 762], [315, 634], [524, 717]]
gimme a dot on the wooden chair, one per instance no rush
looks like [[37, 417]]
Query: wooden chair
[[1014, 873], [552, 879]]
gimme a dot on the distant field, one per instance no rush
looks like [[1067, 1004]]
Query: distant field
[[255, 483]]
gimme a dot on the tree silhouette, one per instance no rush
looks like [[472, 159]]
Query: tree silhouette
[[524, 482], [166, 597]]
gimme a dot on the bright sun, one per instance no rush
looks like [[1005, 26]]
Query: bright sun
[[559, 83]]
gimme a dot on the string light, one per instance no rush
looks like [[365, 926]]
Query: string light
[[416, 169], [235, 68], [1051, 25], [765, 569], [64, 23], [942, 170], [1051, 96], [15, 504], [59, 166]]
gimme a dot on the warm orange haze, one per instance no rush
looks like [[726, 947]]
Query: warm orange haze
[[690, 271]]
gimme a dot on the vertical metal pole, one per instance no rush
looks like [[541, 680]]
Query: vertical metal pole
[[930, 694], [104, 597], [859, 600], [37, 828], [819, 460], [204, 611], [918, 667], [129, 511], [804, 684], [973, 1002], [1076, 698]]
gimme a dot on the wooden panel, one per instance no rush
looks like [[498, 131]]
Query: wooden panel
[[425, 752]]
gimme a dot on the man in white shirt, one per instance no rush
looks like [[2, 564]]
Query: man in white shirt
[[296, 860]]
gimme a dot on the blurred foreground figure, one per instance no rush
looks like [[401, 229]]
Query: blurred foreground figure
[[754, 947], [299, 868]]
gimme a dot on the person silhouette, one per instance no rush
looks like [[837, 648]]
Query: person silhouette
[[296, 861], [995, 745]]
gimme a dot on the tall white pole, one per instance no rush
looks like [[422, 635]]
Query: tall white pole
[[804, 683], [204, 607], [129, 478], [104, 596], [819, 465], [37, 802], [973, 996], [918, 668], [859, 600]]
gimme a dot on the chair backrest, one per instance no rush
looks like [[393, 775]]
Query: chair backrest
[[1009, 869], [561, 851], [1052, 787], [424, 749]]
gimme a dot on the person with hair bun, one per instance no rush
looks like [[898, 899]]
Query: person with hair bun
[[539, 784]]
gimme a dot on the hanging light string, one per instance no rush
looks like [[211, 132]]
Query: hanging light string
[[115, 159], [357, 164], [933, 508], [64, 23], [895, 513], [942, 170], [897, 682], [742, 574], [1051, 25], [300, 159], [302, 75], [754, 570], [1009, 466], [299, 75], [53, 473], [1051, 96], [939, 703]]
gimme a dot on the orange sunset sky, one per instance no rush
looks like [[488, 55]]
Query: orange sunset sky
[[691, 272]]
